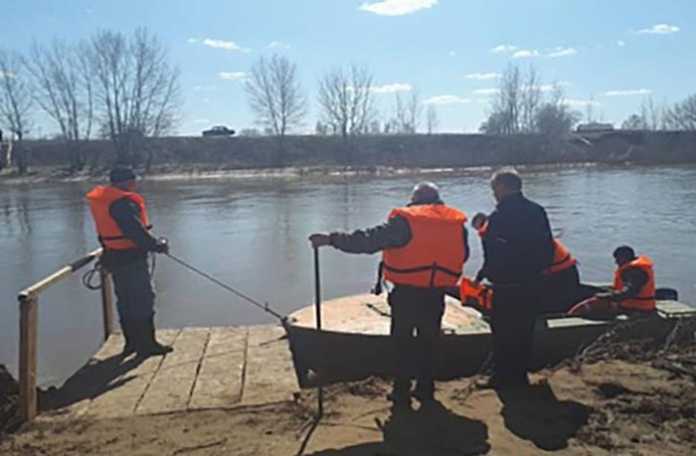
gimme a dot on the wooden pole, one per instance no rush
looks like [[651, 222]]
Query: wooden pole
[[107, 302], [317, 312], [27, 357]]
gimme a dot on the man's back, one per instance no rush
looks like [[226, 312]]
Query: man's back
[[518, 245]]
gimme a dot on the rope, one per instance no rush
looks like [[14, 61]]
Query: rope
[[262, 306]]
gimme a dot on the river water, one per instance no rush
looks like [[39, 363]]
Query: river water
[[253, 234]]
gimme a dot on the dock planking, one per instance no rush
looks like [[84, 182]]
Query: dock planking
[[220, 367]]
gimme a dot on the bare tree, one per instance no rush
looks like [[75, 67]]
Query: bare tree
[[346, 101], [504, 118], [15, 103], [408, 113], [529, 99], [682, 116], [137, 89], [554, 118], [275, 97], [431, 119], [64, 90]]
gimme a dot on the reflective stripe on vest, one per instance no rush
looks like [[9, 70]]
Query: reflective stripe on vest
[[562, 259], [110, 235], [646, 297], [435, 255]]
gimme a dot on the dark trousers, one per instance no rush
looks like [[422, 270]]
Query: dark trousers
[[561, 291], [512, 322], [416, 317], [134, 292]]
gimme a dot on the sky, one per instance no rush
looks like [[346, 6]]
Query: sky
[[611, 54]]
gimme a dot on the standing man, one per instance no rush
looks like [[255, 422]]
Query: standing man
[[122, 225], [518, 247], [424, 248]]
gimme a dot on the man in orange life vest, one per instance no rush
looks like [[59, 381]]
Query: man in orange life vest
[[424, 248], [122, 225], [517, 249], [562, 278], [633, 289]]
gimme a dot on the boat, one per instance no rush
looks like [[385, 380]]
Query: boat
[[353, 342]]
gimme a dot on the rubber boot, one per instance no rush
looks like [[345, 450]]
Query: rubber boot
[[424, 391], [400, 395], [149, 345], [129, 336]]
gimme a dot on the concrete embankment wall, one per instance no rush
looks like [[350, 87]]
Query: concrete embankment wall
[[441, 150]]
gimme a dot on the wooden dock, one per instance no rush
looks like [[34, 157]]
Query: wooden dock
[[221, 367]]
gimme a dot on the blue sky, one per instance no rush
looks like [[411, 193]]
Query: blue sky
[[613, 52]]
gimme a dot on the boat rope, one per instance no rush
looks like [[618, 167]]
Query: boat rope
[[263, 306]]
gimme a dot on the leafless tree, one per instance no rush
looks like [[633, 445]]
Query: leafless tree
[[504, 118], [408, 113], [275, 97], [530, 99], [137, 89], [64, 90], [346, 100], [682, 116], [16, 102], [431, 119], [554, 118]]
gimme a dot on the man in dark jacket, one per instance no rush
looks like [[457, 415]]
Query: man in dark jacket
[[125, 256], [517, 248], [414, 306]]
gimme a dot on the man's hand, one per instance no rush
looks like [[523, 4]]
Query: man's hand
[[319, 240], [162, 246]]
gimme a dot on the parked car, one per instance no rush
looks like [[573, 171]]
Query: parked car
[[218, 130]]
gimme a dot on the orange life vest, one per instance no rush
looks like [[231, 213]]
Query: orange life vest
[[100, 200], [562, 259], [646, 297], [483, 295], [435, 255]]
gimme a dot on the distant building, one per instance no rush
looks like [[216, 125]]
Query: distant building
[[595, 126]]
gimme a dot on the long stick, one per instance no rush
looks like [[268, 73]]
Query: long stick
[[317, 312]]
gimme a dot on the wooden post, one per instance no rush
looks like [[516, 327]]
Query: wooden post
[[317, 310], [107, 303], [27, 357]]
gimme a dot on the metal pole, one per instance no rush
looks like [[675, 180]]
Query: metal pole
[[317, 313]]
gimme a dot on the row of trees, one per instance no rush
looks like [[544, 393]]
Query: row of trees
[[346, 100], [121, 87], [680, 116]]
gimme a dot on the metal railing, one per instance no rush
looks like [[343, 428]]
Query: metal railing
[[28, 326]]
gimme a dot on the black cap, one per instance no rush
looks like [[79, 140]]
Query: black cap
[[624, 251], [121, 174]]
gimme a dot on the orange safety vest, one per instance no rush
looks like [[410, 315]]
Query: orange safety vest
[[562, 259], [100, 200], [646, 297], [483, 295], [435, 255]]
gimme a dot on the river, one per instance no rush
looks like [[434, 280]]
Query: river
[[253, 235]]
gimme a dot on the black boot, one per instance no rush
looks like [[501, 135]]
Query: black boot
[[149, 345], [400, 394], [129, 336]]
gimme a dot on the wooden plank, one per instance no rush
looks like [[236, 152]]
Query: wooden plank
[[219, 382], [173, 383], [28, 309], [131, 386], [269, 374]]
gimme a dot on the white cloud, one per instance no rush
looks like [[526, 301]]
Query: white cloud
[[447, 99], [452, 53], [397, 7], [660, 29], [504, 48], [486, 92], [232, 75], [525, 54], [578, 103], [482, 76], [392, 88], [220, 44], [278, 45], [627, 93], [562, 52], [621, 43]]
